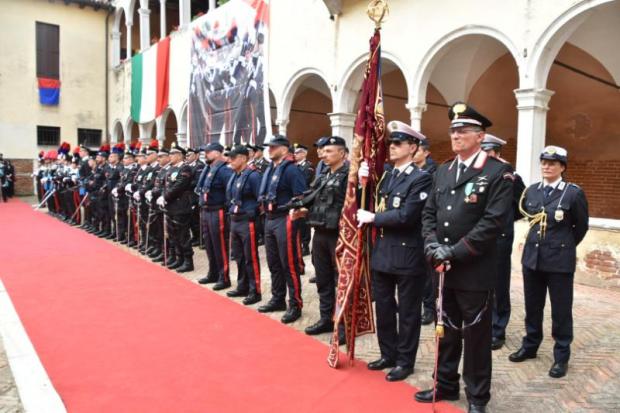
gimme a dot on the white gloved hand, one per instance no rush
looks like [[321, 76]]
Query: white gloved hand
[[364, 217], [364, 171], [148, 195], [136, 196], [161, 201], [115, 192], [128, 188], [43, 180], [74, 178]]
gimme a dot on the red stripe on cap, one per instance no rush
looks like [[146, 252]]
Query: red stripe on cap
[[255, 264], [291, 259]]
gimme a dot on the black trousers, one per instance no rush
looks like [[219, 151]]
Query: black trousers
[[398, 340], [560, 286], [104, 212], [245, 249], [430, 290], [156, 230], [179, 236], [194, 224], [501, 302], [324, 261], [304, 231], [216, 233], [462, 307], [281, 247]]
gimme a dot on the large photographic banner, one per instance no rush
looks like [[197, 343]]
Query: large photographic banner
[[229, 98]]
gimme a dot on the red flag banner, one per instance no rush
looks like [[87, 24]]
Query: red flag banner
[[353, 300]]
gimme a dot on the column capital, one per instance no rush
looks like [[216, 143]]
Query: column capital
[[533, 98], [144, 12], [282, 124], [162, 2], [116, 35], [342, 119], [417, 108]]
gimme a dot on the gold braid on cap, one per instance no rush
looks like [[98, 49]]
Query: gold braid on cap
[[538, 218]]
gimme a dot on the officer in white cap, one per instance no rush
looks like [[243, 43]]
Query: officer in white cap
[[558, 215], [397, 258]]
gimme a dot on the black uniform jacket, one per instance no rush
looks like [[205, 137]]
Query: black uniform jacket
[[178, 189], [470, 224], [556, 252], [398, 248]]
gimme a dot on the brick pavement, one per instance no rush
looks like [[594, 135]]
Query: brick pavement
[[592, 384]]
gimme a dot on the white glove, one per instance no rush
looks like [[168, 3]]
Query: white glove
[[161, 201], [43, 180], [364, 217], [136, 196], [148, 195], [74, 178], [128, 188], [115, 192], [364, 171]]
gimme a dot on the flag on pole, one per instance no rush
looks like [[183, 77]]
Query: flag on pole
[[353, 301], [150, 82]]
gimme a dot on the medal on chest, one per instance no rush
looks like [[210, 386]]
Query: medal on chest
[[559, 215], [396, 202], [470, 197]]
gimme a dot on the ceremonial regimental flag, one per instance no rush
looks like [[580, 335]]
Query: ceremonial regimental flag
[[150, 81], [49, 91], [353, 302]]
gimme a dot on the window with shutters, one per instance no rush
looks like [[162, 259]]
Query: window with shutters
[[89, 137], [48, 50], [48, 135]]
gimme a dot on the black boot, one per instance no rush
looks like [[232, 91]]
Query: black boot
[[158, 258], [187, 266], [174, 262]]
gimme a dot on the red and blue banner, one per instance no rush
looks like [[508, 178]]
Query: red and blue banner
[[49, 91]]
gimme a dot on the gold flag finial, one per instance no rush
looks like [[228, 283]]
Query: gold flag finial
[[378, 10]]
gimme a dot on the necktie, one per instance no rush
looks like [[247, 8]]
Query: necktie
[[548, 189], [395, 173], [462, 168]]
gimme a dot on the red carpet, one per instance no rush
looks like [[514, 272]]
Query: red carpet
[[119, 334]]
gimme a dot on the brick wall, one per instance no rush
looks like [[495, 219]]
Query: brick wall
[[600, 179], [604, 263], [23, 171]]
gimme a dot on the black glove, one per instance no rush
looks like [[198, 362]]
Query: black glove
[[429, 250], [442, 254]]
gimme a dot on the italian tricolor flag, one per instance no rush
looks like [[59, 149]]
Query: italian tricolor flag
[[149, 82]]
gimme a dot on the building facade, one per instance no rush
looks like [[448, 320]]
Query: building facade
[[61, 41]]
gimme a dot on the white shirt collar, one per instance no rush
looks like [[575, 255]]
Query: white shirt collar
[[403, 167], [553, 184], [469, 160]]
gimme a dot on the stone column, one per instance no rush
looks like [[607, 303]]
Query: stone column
[[145, 28], [116, 48], [212, 4], [342, 124], [282, 124], [532, 124], [162, 19], [128, 54], [416, 112], [182, 139], [185, 11]]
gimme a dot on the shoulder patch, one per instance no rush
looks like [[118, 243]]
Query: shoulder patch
[[508, 176]]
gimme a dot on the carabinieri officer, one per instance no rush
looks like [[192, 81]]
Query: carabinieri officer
[[242, 204], [282, 182], [558, 215], [398, 254]]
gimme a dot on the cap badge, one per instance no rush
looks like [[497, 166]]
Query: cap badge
[[458, 109]]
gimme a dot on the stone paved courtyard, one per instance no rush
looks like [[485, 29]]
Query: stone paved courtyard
[[592, 383]]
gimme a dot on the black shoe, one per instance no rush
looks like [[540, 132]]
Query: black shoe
[[187, 266], [399, 373], [558, 370], [150, 250], [497, 343], [154, 253], [428, 318], [476, 408], [380, 364], [272, 306], [426, 396], [521, 355], [260, 241], [195, 243], [305, 251], [176, 264], [111, 235], [207, 280], [253, 298], [221, 285], [320, 327], [131, 244], [342, 339], [291, 315], [158, 258], [312, 280], [237, 293]]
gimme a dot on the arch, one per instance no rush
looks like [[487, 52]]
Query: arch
[[293, 84], [552, 39], [118, 134], [128, 130], [347, 93], [432, 57], [183, 120], [163, 132]]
